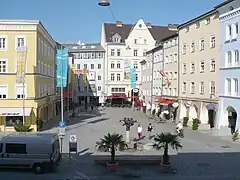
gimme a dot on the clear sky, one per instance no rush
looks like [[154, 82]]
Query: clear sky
[[73, 20]]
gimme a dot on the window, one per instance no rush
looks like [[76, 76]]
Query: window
[[118, 65], [184, 68], [228, 87], [145, 41], [192, 47], [92, 66], [235, 84], [112, 77], [112, 52], [201, 87], [14, 120], [228, 32], [112, 65], [3, 66], [192, 87], [212, 65], [236, 53], [235, 31], [192, 67], [175, 57], [135, 52], [118, 77], [99, 66], [175, 75], [19, 91], [135, 41], [20, 42], [99, 88], [184, 87], [229, 58], [116, 39], [184, 49], [136, 77], [99, 77], [135, 64], [1, 147], [118, 52], [13, 148], [144, 53], [3, 43], [3, 91], [213, 42], [201, 45], [201, 66], [212, 87], [85, 66], [78, 66]]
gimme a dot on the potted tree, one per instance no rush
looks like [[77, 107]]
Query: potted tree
[[110, 142], [164, 140], [195, 124]]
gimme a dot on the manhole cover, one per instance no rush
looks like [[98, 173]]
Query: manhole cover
[[225, 146], [203, 165]]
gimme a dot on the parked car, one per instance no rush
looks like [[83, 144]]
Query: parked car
[[38, 151]]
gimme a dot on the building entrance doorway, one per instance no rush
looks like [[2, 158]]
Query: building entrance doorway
[[232, 118]]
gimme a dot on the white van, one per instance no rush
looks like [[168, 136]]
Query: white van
[[39, 151]]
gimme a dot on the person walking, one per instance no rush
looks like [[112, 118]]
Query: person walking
[[149, 130], [139, 129]]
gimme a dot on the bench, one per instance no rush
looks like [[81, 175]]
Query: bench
[[130, 160]]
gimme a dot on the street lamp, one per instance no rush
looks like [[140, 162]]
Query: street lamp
[[128, 122], [104, 3]]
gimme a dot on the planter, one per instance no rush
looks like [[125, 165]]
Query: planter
[[165, 167], [112, 167]]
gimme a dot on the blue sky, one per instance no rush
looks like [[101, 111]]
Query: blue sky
[[73, 20]]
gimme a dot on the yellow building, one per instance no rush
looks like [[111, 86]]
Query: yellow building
[[39, 86]]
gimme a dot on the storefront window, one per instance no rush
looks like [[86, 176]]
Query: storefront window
[[14, 120]]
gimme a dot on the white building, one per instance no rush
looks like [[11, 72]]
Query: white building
[[127, 44], [89, 58]]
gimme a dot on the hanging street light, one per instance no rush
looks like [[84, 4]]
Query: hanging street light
[[104, 3]]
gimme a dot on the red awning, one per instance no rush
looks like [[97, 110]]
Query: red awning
[[165, 101], [117, 95]]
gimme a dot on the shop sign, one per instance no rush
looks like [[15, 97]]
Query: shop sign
[[9, 114]]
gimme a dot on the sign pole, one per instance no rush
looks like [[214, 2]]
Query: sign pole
[[62, 109]]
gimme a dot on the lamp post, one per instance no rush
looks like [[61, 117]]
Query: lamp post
[[128, 122], [20, 74], [104, 3]]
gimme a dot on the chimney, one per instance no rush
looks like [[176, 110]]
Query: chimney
[[149, 25], [172, 27], [119, 23]]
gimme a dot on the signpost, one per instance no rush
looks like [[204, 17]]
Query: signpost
[[61, 133], [72, 144]]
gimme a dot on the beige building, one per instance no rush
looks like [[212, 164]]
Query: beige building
[[199, 44], [39, 87]]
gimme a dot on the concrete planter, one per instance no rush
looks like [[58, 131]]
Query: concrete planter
[[165, 168], [112, 167]]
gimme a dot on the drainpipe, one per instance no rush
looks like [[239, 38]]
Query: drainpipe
[[178, 63], [152, 80]]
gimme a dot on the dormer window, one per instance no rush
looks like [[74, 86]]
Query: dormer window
[[116, 38]]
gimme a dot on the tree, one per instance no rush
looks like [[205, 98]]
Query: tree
[[110, 141], [163, 140], [23, 128]]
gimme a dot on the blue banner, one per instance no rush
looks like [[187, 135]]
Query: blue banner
[[62, 67], [133, 78]]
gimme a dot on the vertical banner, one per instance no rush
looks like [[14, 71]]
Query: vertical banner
[[62, 67], [20, 70], [127, 66], [133, 78]]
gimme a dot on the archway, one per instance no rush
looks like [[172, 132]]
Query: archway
[[193, 110], [183, 111], [204, 115], [232, 118]]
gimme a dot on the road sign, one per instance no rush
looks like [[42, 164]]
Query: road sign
[[62, 127], [73, 138]]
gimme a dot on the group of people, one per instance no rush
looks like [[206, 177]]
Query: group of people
[[140, 130]]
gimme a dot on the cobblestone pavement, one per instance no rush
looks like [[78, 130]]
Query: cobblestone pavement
[[202, 157]]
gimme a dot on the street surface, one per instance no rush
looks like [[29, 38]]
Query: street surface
[[203, 157]]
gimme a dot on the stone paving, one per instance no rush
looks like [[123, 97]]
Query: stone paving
[[202, 157]]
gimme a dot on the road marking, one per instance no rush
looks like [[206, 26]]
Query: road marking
[[83, 176]]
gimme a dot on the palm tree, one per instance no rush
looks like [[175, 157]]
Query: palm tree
[[110, 141], [163, 140], [23, 128]]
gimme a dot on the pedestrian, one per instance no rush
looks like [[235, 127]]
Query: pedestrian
[[139, 131], [149, 130], [92, 107]]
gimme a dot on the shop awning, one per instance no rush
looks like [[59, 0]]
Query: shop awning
[[164, 101], [15, 111], [117, 95]]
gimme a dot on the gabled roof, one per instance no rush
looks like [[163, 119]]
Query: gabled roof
[[158, 32]]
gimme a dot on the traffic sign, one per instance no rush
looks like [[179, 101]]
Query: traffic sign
[[73, 138], [62, 127], [62, 124]]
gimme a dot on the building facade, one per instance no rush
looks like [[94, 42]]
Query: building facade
[[199, 43], [126, 46], [35, 99], [229, 108], [89, 64]]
